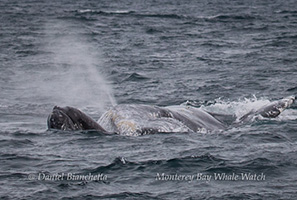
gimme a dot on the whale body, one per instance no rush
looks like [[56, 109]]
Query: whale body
[[133, 119]]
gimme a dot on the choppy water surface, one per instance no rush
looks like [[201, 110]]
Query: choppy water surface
[[226, 56]]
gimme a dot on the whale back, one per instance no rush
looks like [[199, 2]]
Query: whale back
[[146, 119]]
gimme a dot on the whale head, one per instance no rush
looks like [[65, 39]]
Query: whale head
[[59, 119], [69, 118]]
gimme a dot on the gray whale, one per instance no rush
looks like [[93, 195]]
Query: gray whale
[[145, 119]]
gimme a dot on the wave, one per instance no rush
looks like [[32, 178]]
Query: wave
[[15, 142], [184, 163], [236, 17], [189, 18], [114, 195], [116, 12], [135, 77], [207, 164], [129, 195], [13, 156], [292, 89], [287, 11], [131, 13], [167, 15], [252, 165], [171, 16]]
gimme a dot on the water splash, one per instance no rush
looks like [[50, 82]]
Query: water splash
[[243, 106]]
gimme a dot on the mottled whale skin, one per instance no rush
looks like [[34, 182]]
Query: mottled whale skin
[[145, 119], [69, 118], [271, 110]]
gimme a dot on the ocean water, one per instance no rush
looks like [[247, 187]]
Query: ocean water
[[225, 56]]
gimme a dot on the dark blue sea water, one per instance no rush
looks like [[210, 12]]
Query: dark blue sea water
[[226, 56]]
